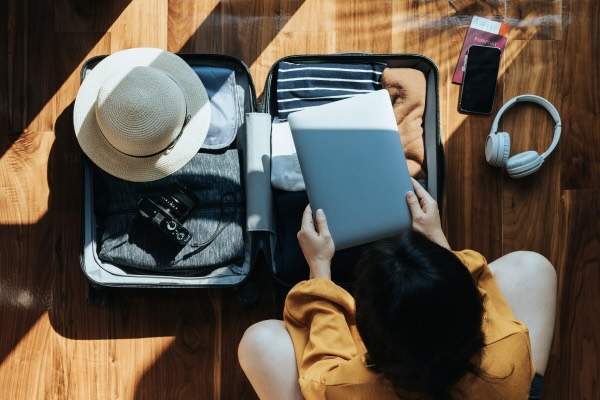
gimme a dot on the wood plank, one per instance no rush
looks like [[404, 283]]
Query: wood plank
[[25, 272], [153, 343], [69, 58], [29, 87], [535, 19], [40, 80], [473, 190], [5, 82], [422, 28], [237, 317], [249, 27], [531, 205], [84, 15], [579, 275], [32, 77], [195, 26], [366, 28], [28, 226], [12, 110], [579, 169], [142, 23], [22, 376], [580, 86], [24, 187], [189, 367], [462, 11], [308, 16]]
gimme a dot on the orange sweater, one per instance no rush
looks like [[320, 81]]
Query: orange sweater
[[319, 315]]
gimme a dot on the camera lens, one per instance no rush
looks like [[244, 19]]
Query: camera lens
[[171, 225], [178, 201]]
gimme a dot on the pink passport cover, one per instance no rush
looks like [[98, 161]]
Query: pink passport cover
[[476, 37]]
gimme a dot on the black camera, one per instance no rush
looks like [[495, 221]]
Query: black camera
[[169, 210]]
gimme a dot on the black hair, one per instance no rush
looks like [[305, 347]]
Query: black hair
[[419, 313]]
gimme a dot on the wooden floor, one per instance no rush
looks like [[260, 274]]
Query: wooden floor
[[165, 344]]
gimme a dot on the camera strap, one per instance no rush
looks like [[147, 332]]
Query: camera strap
[[220, 227]]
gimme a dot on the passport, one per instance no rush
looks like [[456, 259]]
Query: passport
[[481, 32]]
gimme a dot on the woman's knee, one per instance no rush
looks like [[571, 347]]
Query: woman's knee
[[266, 354], [525, 269], [536, 267], [526, 262], [258, 339]]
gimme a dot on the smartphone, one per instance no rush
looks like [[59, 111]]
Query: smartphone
[[479, 80]]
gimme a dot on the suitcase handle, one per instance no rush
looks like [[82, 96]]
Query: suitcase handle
[[353, 53]]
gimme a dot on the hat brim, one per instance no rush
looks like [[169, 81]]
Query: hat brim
[[141, 169]]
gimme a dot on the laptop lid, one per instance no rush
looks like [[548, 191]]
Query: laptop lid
[[354, 167]]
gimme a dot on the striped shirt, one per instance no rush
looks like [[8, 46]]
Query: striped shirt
[[301, 86]]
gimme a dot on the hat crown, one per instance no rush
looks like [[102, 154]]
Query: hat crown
[[141, 112]]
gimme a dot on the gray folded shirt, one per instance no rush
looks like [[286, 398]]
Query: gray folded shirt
[[130, 241]]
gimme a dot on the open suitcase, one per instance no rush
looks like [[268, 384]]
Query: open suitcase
[[271, 217]]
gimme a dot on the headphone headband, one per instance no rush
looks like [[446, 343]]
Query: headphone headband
[[542, 102]]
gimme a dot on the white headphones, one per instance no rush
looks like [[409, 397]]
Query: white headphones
[[497, 144]]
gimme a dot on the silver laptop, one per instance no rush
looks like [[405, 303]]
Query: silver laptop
[[354, 167]]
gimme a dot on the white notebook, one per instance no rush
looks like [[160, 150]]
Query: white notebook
[[354, 167]]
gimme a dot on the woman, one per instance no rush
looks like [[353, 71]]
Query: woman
[[426, 323]]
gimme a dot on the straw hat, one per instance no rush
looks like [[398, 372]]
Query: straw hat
[[141, 114]]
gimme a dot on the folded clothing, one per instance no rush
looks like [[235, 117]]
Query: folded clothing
[[300, 86], [225, 102], [407, 88], [285, 167], [215, 223]]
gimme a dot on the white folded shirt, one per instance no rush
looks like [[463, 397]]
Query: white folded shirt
[[285, 168]]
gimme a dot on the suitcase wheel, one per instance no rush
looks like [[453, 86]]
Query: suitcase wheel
[[248, 293], [98, 295]]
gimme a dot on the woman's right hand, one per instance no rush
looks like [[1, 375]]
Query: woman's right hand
[[425, 215], [316, 244]]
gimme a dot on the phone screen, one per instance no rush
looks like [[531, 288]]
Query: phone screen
[[479, 80]]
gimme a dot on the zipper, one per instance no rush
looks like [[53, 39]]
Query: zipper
[[198, 208]]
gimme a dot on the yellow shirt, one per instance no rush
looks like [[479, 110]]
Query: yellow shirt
[[320, 317]]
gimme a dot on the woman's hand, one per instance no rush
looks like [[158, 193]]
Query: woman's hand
[[425, 215], [316, 244]]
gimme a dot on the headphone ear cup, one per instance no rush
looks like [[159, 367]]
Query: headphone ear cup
[[497, 149], [524, 164]]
